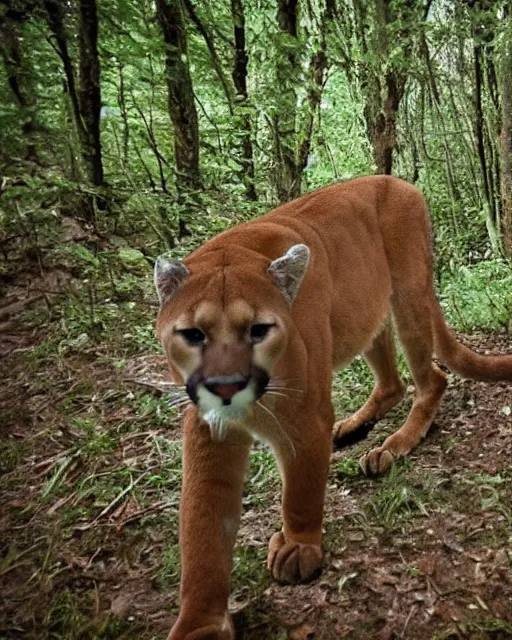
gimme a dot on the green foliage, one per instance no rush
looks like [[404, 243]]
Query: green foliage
[[398, 500], [492, 492], [479, 296], [250, 574], [262, 477], [341, 149], [10, 454], [66, 616], [138, 148], [170, 567], [347, 467]]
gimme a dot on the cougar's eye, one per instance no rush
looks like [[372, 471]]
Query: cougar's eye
[[194, 337], [260, 331]]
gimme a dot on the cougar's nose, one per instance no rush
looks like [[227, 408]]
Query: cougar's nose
[[226, 386]]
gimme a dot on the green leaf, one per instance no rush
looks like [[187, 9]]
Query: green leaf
[[131, 257]]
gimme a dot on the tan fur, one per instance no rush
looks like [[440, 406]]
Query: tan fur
[[370, 260]]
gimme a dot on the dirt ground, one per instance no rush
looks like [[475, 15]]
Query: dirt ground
[[90, 462]]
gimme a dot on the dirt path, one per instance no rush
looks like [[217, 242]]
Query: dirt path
[[90, 464]]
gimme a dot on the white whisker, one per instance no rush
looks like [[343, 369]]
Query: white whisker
[[281, 429], [271, 392], [277, 384], [177, 401]]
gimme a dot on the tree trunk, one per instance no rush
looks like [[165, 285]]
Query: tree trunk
[[89, 91], [381, 79], [287, 44], [317, 72], [383, 91], [436, 102], [235, 91], [19, 77], [217, 64], [55, 19], [506, 143], [182, 110], [85, 99], [381, 122], [240, 81], [121, 100], [483, 18]]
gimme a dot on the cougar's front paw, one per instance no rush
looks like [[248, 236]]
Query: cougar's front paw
[[293, 562], [376, 461], [347, 432], [186, 631]]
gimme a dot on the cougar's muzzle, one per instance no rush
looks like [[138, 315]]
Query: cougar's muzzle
[[227, 388]]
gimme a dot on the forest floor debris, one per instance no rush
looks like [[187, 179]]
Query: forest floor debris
[[90, 462]]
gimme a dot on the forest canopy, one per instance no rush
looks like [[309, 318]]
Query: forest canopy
[[160, 115]]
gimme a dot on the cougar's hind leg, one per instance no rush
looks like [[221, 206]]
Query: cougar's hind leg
[[387, 392], [413, 321]]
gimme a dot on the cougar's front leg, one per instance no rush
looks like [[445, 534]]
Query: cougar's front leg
[[213, 475], [295, 553]]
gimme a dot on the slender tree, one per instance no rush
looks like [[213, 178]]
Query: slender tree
[[19, 77], [383, 31], [434, 94], [293, 127], [315, 82], [482, 15], [89, 90], [284, 122], [182, 110], [234, 88], [239, 76], [84, 95], [506, 138]]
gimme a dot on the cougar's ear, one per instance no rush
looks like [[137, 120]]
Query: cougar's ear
[[288, 271], [169, 275]]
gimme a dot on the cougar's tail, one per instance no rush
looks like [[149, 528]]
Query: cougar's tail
[[463, 360]]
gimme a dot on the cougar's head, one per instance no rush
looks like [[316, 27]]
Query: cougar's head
[[223, 322]]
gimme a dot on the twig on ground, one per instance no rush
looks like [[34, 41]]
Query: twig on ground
[[113, 503], [411, 613], [154, 508]]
